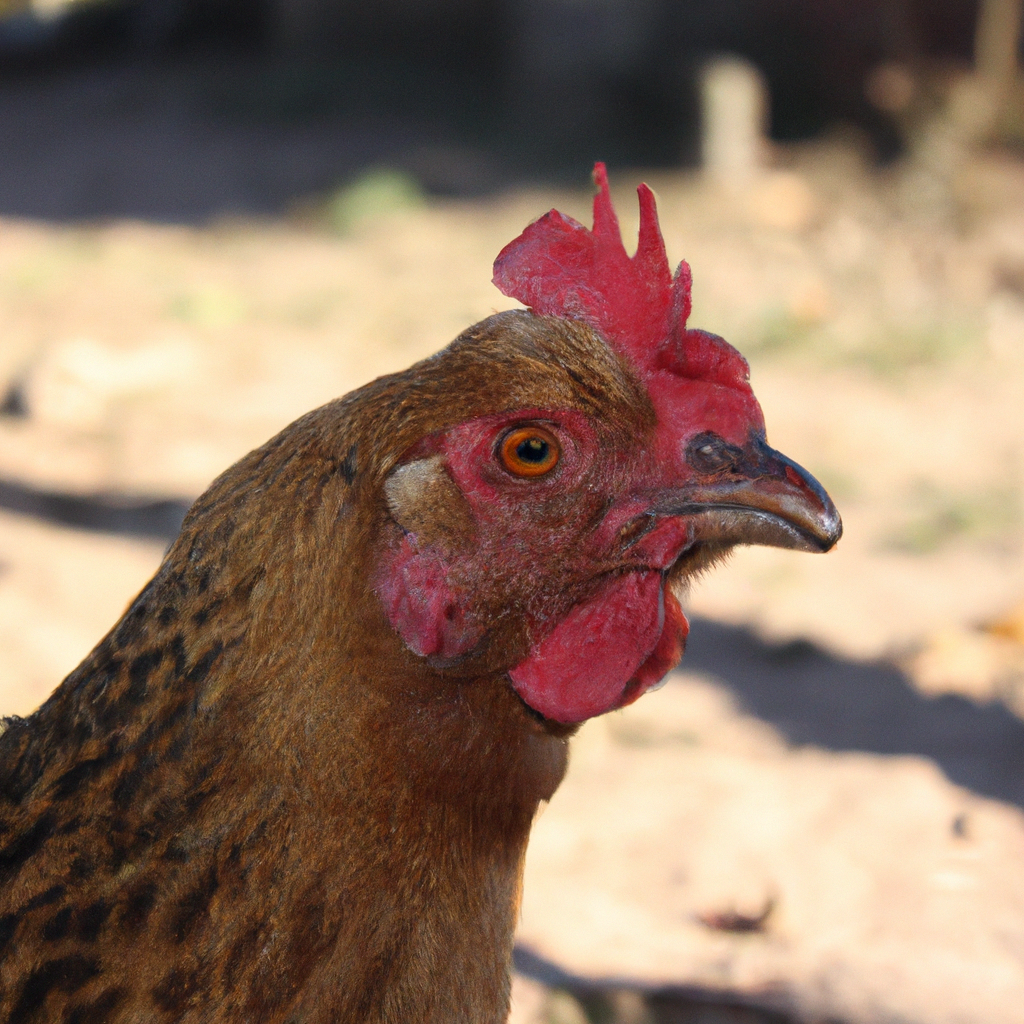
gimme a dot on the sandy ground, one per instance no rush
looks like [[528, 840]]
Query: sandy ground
[[821, 815]]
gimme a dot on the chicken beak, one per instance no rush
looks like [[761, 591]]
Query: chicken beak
[[758, 497]]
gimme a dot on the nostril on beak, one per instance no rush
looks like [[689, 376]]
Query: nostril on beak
[[708, 453]]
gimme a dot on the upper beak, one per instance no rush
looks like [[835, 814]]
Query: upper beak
[[758, 497]]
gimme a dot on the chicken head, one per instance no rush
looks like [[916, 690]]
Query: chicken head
[[550, 534]]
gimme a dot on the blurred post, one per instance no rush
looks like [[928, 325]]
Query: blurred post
[[734, 112], [996, 65], [996, 41], [975, 112]]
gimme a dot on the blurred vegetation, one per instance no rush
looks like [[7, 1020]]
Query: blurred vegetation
[[944, 517], [209, 307], [916, 346], [379, 192], [888, 351]]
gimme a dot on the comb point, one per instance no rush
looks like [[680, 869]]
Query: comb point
[[560, 268]]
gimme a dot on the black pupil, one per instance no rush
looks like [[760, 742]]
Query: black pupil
[[533, 449]]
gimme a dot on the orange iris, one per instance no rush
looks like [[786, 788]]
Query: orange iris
[[529, 451]]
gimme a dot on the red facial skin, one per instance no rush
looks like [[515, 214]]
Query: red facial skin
[[607, 652], [629, 631]]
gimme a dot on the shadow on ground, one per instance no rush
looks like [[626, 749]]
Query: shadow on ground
[[816, 698], [676, 1005], [149, 518]]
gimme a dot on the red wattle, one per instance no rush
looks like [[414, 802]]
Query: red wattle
[[665, 656], [603, 650]]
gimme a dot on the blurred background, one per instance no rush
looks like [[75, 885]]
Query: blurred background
[[216, 214]]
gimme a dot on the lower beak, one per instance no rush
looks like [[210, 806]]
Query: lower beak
[[763, 498]]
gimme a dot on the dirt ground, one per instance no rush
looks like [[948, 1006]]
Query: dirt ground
[[820, 816]]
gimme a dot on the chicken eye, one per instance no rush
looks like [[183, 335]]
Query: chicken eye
[[529, 451]]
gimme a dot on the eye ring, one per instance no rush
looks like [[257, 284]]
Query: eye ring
[[529, 452]]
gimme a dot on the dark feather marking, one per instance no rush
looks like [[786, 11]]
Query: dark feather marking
[[8, 926], [67, 974], [207, 768], [99, 1010], [123, 845], [176, 992], [57, 926], [223, 531], [167, 615], [172, 719], [348, 466], [201, 669], [310, 496], [200, 618], [28, 843], [381, 966], [72, 825], [137, 907], [139, 671], [81, 868], [244, 590], [91, 919], [44, 899], [75, 777], [193, 905], [202, 582], [103, 706], [195, 800], [177, 646], [591, 389], [131, 779], [134, 626], [268, 480], [180, 745], [78, 727]]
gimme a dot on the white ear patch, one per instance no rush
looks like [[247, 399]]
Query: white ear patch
[[424, 500]]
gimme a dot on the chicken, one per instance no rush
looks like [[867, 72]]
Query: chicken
[[295, 782]]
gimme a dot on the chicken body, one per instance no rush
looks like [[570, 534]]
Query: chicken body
[[295, 782]]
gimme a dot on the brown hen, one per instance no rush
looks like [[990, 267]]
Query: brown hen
[[295, 782]]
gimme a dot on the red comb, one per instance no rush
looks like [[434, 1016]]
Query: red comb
[[559, 268]]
